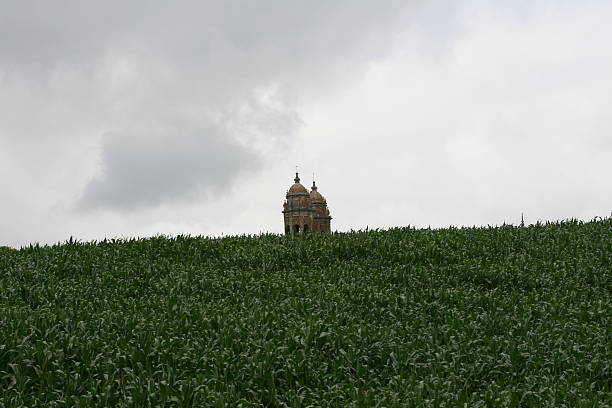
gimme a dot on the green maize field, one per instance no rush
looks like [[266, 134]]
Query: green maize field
[[497, 316]]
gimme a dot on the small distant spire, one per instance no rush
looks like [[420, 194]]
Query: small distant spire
[[314, 186], [297, 178]]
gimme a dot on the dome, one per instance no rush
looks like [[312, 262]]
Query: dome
[[315, 196], [297, 187]]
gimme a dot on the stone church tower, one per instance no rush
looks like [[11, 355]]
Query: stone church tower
[[304, 211]]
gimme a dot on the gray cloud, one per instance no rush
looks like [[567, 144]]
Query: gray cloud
[[143, 169], [204, 89], [166, 115]]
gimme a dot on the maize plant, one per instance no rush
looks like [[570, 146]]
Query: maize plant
[[496, 316]]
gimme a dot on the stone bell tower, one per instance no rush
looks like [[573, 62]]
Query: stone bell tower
[[304, 211], [321, 219]]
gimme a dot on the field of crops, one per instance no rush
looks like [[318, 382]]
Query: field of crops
[[505, 316]]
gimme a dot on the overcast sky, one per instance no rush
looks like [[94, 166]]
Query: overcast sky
[[123, 119]]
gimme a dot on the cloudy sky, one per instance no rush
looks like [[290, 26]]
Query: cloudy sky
[[122, 119]]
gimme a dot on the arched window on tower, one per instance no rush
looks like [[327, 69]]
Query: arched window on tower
[[305, 227], [296, 228]]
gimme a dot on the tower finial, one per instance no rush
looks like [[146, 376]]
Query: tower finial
[[297, 178]]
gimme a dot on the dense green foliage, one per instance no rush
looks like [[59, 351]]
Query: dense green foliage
[[499, 316]]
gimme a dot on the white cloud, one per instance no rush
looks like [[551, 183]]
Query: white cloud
[[438, 113]]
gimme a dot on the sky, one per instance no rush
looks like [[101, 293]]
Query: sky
[[133, 119]]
